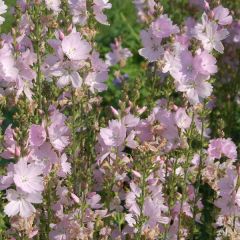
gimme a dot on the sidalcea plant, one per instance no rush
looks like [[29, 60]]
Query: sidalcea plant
[[75, 166]]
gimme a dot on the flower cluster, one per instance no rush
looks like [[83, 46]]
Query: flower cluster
[[161, 162]]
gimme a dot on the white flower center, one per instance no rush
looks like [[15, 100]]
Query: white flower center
[[24, 179]]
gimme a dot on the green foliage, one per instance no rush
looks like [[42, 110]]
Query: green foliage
[[6, 27]]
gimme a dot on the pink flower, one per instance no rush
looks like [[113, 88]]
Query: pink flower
[[93, 200], [118, 54], [65, 166], [153, 209], [169, 129], [66, 71], [205, 63], [221, 146], [211, 36], [96, 81], [3, 9], [228, 205], [98, 8], [115, 134], [229, 149], [79, 11], [21, 202], [67, 77], [172, 64], [131, 199], [44, 157], [37, 135], [27, 176], [8, 70], [238, 197], [11, 149], [53, 5], [163, 27], [58, 131], [228, 183], [196, 90], [98, 65], [130, 120], [75, 47], [183, 121], [7, 180], [221, 15], [152, 49], [26, 74], [60, 231], [188, 69], [215, 148], [130, 219], [130, 142]]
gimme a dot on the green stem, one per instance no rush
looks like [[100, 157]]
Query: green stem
[[134, 34], [198, 178], [38, 52], [185, 175], [74, 146]]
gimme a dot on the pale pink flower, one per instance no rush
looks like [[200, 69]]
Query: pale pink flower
[[188, 69], [221, 15], [75, 47], [53, 5], [118, 54], [130, 120], [7, 180], [228, 205], [58, 131], [11, 148], [44, 157], [26, 74], [130, 142], [96, 81], [69, 77], [152, 49], [211, 36], [172, 64], [27, 176], [169, 129], [98, 8], [229, 149], [197, 89], [65, 166], [115, 134], [238, 197], [3, 9], [130, 219], [205, 63], [228, 183], [131, 199], [21, 202], [65, 71], [60, 231], [98, 65], [153, 209], [8, 70], [93, 200], [163, 27], [221, 146], [37, 135], [79, 11], [183, 121]]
